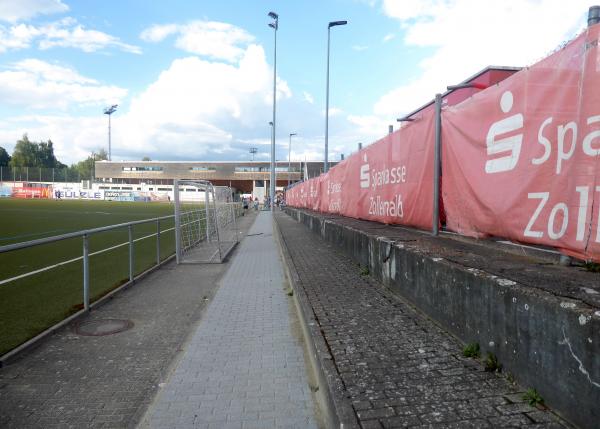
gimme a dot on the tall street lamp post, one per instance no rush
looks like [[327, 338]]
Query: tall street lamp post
[[290, 158], [331, 24], [267, 191], [274, 25], [109, 111]]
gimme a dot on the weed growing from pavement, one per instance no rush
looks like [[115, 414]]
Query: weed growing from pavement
[[492, 364], [364, 271], [593, 267], [533, 398], [471, 350]]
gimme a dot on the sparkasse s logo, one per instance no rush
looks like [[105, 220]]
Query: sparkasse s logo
[[511, 144], [365, 177]]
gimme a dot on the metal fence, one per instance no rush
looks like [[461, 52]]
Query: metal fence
[[42, 174], [108, 270]]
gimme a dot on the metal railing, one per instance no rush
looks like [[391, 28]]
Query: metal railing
[[85, 234]]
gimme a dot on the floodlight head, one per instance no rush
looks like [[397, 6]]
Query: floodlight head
[[273, 25], [293, 134], [110, 110], [271, 123], [335, 23], [273, 15]]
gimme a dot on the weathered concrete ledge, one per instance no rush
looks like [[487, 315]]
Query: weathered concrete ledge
[[541, 320]]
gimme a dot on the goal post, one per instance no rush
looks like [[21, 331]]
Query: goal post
[[205, 221]]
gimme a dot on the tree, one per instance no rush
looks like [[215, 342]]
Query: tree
[[85, 169], [32, 154], [4, 157], [146, 158]]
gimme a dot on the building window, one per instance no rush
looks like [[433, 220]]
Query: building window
[[243, 169], [142, 169], [203, 168], [164, 189]]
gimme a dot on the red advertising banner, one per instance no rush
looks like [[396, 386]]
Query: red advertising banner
[[390, 181], [521, 159], [18, 192]]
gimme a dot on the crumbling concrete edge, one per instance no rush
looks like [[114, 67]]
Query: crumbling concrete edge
[[336, 408], [544, 341]]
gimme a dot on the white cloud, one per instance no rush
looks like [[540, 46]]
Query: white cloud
[[360, 48], [388, 37], [18, 10], [64, 33], [197, 107], [37, 84], [467, 36], [211, 39], [308, 97], [334, 111]]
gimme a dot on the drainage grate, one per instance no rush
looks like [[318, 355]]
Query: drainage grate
[[101, 327]]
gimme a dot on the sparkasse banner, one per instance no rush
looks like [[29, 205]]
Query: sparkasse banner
[[521, 159]]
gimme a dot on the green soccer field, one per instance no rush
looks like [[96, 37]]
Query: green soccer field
[[31, 304]]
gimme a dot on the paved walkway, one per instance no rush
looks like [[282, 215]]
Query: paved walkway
[[74, 381], [399, 369], [244, 367]]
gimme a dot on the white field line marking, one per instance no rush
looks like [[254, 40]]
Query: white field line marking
[[41, 270]]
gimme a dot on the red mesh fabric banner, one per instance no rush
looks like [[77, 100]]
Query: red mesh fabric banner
[[390, 181], [521, 159]]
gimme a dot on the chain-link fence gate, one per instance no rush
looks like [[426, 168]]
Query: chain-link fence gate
[[205, 221]]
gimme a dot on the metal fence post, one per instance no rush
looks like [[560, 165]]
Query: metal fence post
[[130, 229], [436, 165], [177, 222], [207, 210], [158, 242], [86, 273]]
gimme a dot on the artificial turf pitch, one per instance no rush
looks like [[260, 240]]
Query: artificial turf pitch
[[30, 305]]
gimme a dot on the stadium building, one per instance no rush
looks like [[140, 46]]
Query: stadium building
[[251, 177]]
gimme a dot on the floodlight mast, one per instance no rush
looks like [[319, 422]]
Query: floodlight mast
[[109, 111], [275, 26]]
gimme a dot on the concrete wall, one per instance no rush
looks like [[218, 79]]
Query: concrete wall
[[545, 341]]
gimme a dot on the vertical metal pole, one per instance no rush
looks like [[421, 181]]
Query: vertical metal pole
[[53, 176], [207, 211], [109, 142], [40, 174], [436, 165], [86, 273], [217, 224], [232, 204], [130, 229], [390, 129], [274, 123], [27, 174], [177, 222], [157, 241], [289, 160], [593, 15], [326, 163]]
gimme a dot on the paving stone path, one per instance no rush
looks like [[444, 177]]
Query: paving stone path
[[399, 368], [244, 367]]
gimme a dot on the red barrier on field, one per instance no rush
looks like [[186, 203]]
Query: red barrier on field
[[18, 192], [390, 181], [521, 159]]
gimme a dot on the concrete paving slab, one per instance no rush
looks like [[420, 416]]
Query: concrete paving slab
[[244, 366]]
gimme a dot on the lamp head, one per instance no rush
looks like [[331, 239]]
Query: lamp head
[[293, 134], [273, 15], [335, 23]]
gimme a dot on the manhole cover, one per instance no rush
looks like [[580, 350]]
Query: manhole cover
[[98, 328]]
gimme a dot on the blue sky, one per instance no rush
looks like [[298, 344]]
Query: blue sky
[[193, 80]]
